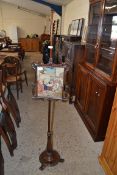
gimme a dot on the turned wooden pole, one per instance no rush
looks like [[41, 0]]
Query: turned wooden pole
[[49, 133], [51, 36]]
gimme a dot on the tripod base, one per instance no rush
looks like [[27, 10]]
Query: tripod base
[[49, 158]]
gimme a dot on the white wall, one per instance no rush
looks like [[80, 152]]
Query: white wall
[[74, 10], [26, 22], [57, 17]]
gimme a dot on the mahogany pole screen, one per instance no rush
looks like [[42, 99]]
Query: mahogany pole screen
[[51, 36]]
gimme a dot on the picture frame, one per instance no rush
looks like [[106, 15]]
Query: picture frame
[[80, 27], [77, 27], [72, 27], [50, 82]]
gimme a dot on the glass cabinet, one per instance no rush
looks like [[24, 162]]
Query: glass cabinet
[[92, 36], [108, 41], [102, 36]]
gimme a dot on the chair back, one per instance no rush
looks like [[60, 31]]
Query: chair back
[[13, 65]]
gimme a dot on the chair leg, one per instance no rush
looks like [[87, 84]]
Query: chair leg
[[14, 106], [26, 78], [1, 163], [21, 86], [11, 110], [10, 129], [17, 89], [6, 139]]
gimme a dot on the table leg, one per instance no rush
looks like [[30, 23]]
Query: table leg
[[50, 157]]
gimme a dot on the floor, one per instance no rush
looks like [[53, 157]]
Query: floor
[[71, 137]]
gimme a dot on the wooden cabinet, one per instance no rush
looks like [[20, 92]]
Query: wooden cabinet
[[93, 101], [108, 158], [73, 53], [81, 87], [30, 44], [97, 75], [95, 106]]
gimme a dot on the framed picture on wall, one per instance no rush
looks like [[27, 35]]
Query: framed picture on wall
[[77, 27], [50, 82], [76, 24], [72, 27], [80, 27]]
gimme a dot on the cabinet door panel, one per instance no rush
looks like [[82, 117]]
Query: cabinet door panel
[[93, 32], [81, 87], [95, 102], [35, 45], [90, 53], [94, 20], [108, 40]]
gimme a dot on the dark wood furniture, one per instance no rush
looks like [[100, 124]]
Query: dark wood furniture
[[1, 161], [97, 75], [13, 51], [7, 46], [14, 73], [8, 110], [29, 44], [73, 53], [43, 38]]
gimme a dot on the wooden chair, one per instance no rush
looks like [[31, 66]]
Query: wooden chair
[[8, 100], [5, 137], [14, 74], [1, 163], [8, 127]]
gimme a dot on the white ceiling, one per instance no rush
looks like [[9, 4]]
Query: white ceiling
[[36, 7]]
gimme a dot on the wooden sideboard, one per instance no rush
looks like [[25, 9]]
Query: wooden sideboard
[[30, 44], [108, 158]]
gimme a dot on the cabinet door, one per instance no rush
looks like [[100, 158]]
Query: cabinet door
[[35, 45], [108, 41], [95, 103], [93, 32], [23, 43], [28, 44], [81, 87]]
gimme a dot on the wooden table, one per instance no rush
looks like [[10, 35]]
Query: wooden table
[[9, 52]]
